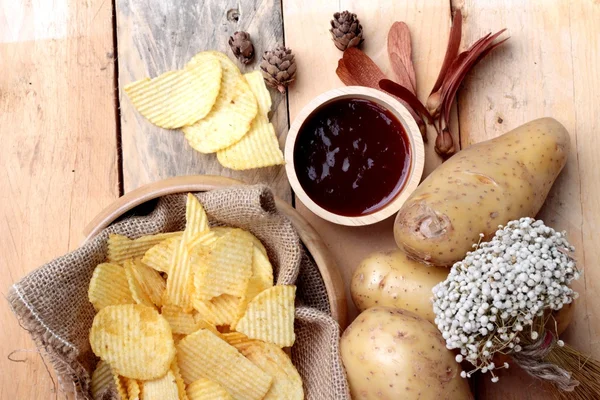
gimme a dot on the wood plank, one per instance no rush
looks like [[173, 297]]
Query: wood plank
[[548, 68], [306, 32], [155, 38], [59, 153]]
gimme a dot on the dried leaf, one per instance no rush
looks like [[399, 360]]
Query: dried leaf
[[400, 54], [357, 68], [451, 50], [462, 65], [345, 75]]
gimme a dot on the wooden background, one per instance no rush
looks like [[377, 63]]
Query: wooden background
[[71, 143]]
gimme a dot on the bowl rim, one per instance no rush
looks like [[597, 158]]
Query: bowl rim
[[318, 250], [415, 140]]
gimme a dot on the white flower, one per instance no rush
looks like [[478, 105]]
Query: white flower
[[502, 287]]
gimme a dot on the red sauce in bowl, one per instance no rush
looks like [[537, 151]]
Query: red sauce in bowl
[[352, 157]]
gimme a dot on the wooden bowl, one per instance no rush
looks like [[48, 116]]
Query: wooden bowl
[[412, 132], [200, 183]]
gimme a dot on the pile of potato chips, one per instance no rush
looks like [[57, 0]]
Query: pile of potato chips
[[219, 110], [213, 329]]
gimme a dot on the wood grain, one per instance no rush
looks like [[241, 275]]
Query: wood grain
[[157, 36], [547, 68], [317, 57], [58, 155]]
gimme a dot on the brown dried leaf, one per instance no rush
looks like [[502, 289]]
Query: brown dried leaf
[[345, 76], [400, 54], [451, 50], [462, 65]]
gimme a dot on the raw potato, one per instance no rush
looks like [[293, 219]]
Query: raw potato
[[391, 279], [395, 354], [486, 185]]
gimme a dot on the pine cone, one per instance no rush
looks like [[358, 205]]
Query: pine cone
[[278, 68], [242, 47], [346, 30]]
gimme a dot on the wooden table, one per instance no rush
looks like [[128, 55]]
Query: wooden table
[[71, 142]]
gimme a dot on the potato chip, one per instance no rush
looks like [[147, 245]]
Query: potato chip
[[258, 149], [203, 240], [180, 321], [178, 98], [179, 380], [121, 248], [261, 279], [102, 380], [226, 269], [220, 231], [259, 88], [164, 388], [179, 281], [270, 316], [137, 291], [120, 384], [109, 286], [231, 116], [220, 310], [287, 383], [134, 339], [160, 256], [238, 340], [204, 355], [201, 323], [195, 217], [133, 389], [205, 389], [150, 281]]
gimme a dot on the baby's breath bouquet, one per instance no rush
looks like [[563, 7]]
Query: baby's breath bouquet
[[499, 300]]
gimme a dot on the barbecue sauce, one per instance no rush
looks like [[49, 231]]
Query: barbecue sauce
[[352, 157]]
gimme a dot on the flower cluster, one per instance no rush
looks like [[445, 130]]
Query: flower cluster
[[490, 300]]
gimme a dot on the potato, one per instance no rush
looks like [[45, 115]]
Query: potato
[[392, 279], [394, 354], [486, 185]]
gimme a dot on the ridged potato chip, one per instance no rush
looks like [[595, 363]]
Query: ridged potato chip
[[178, 98], [180, 321], [196, 220], [204, 355], [260, 146], [160, 256], [109, 286], [238, 340], [121, 248], [150, 281], [226, 269], [137, 291], [258, 149], [180, 281], [287, 383], [133, 389], [179, 380], [102, 380], [220, 310], [120, 384], [259, 88], [220, 231], [204, 324], [202, 239], [164, 388], [231, 116], [270, 316], [205, 389], [261, 279], [135, 340]]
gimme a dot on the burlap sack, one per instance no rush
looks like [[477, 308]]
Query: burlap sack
[[51, 302]]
